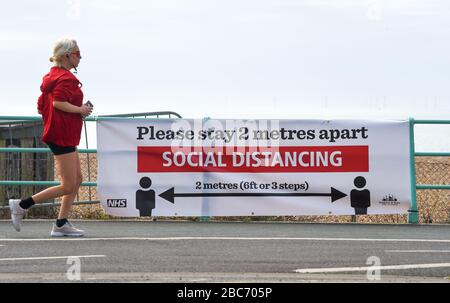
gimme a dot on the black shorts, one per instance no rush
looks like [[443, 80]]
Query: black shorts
[[61, 150]]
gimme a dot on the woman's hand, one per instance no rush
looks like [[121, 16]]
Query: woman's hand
[[85, 110], [65, 106]]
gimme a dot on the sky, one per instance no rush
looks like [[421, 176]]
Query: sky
[[276, 59]]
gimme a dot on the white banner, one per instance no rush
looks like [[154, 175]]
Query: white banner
[[167, 167]]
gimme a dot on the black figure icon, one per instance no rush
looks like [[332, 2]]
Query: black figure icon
[[360, 199], [145, 199]]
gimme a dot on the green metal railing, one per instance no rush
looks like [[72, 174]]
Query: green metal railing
[[10, 120], [413, 215]]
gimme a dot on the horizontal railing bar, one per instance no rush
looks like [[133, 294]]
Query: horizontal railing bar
[[431, 154], [39, 150], [144, 114], [17, 119], [428, 186], [20, 119], [431, 121], [58, 204], [98, 118], [41, 183]]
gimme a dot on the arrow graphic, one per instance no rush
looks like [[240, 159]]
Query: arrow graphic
[[170, 195]]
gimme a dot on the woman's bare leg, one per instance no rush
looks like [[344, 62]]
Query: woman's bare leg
[[67, 165], [67, 200]]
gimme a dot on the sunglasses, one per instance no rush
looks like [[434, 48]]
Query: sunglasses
[[76, 53]]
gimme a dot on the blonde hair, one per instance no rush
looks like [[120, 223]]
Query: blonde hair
[[61, 48]]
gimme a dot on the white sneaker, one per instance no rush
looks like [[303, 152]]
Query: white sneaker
[[17, 213], [67, 230]]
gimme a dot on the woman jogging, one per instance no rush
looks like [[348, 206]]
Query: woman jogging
[[62, 109]]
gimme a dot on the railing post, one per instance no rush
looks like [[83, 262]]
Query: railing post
[[413, 213]]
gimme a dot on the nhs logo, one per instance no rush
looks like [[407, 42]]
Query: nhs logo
[[118, 203]]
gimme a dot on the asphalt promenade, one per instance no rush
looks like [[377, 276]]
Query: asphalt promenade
[[137, 251]]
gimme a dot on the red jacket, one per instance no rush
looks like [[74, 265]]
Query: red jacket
[[61, 128]]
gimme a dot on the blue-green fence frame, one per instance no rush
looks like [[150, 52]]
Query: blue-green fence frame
[[413, 213], [10, 120]]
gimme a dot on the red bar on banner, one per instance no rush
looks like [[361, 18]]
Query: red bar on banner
[[280, 159]]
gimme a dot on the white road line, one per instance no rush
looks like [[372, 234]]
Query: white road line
[[345, 269], [418, 251], [224, 238], [51, 258]]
